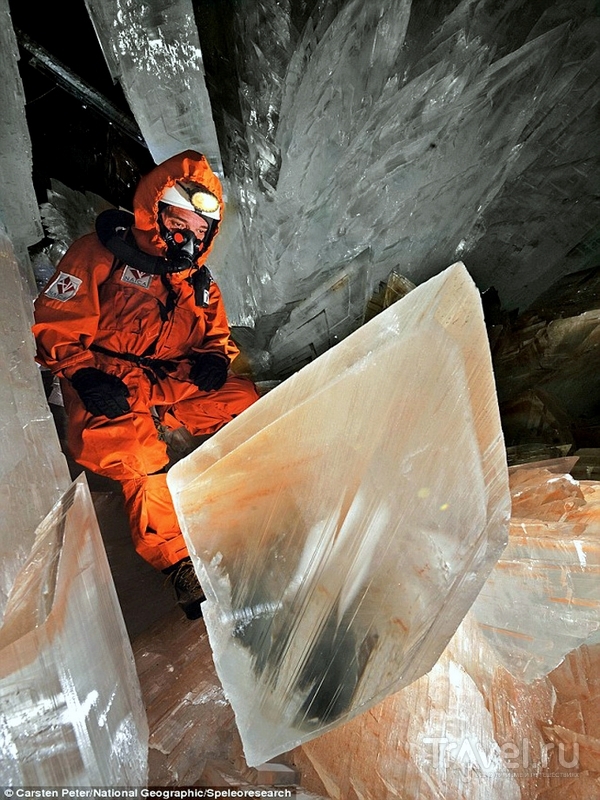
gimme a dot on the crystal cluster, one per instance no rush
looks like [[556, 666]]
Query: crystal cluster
[[72, 713], [338, 541], [384, 135]]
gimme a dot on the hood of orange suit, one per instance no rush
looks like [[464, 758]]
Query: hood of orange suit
[[188, 166]]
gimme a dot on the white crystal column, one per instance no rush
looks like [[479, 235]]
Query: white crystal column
[[19, 212], [153, 50], [72, 713], [343, 525], [18, 204], [33, 471]]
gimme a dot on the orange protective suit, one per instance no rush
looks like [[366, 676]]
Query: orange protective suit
[[95, 300]]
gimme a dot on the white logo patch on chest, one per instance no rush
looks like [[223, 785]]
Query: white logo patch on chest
[[136, 276], [64, 287]]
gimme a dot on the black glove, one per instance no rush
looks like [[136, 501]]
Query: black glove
[[102, 394], [209, 371]]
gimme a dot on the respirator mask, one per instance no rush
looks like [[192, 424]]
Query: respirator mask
[[183, 246]]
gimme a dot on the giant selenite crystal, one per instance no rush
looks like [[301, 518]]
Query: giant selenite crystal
[[71, 708], [153, 50], [33, 471], [477, 725], [343, 525], [18, 206]]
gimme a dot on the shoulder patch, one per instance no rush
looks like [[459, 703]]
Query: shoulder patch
[[64, 287], [136, 276]]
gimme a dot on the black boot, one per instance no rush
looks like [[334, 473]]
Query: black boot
[[187, 588]]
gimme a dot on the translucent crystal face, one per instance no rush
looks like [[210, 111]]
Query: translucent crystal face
[[71, 700], [338, 538]]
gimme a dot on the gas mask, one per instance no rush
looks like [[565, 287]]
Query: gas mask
[[183, 247]]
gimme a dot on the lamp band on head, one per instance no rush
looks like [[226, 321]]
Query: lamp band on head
[[192, 197]]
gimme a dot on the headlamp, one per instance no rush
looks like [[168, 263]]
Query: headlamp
[[203, 201], [194, 197]]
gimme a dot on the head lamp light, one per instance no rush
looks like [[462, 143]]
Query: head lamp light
[[193, 197], [203, 201]]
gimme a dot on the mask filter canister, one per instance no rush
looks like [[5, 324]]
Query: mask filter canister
[[182, 248]]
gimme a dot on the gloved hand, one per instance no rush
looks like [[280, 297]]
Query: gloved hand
[[209, 371], [102, 394]]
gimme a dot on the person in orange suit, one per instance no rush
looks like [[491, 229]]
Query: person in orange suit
[[134, 325]]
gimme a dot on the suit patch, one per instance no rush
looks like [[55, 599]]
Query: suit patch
[[136, 276], [64, 287]]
